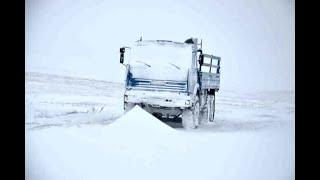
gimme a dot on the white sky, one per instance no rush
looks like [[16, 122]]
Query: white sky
[[254, 38]]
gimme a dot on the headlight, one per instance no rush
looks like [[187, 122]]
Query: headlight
[[187, 103], [125, 98]]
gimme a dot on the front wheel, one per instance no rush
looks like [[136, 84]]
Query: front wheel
[[128, 106], [190, 117]]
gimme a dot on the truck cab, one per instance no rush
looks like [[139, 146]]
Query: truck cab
[[168, 79]]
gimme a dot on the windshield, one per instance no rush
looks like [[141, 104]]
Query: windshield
[[161, 61]]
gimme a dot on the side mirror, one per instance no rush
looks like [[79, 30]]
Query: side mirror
[[122, 50], [201, 59]]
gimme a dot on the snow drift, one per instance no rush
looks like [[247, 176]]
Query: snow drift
[[253, 137], [138, 121], [138, 146]]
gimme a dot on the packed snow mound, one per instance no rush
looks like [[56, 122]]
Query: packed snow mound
[[137, 120]]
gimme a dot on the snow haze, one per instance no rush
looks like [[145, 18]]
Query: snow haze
[[77, 129], [82, 38], [75, 124]]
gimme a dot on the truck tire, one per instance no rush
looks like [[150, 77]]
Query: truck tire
[[190, 117], [211, 107], [203, 116], [128, 106]]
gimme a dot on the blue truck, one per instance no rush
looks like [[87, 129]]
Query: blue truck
[[171, 80]]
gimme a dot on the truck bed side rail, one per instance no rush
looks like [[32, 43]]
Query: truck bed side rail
[[210, 65], [209, 79]]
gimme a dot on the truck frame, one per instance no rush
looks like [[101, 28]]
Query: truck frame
[[192, 100]]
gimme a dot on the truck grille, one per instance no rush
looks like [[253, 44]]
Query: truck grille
[[157, 85]]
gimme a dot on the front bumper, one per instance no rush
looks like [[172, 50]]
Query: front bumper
[[158, 99]]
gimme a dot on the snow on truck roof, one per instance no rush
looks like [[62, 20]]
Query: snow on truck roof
[[162, 42]]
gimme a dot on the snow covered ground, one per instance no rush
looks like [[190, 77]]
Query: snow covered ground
[[76, 129]]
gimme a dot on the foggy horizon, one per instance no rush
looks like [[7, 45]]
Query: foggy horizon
[[255, 39]]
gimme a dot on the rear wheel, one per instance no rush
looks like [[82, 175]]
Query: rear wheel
[[211, 107]]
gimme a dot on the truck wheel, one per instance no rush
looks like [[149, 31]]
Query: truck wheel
[[128, 106], [190, 117], [211, 107], [203, 116], [187, 119]]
